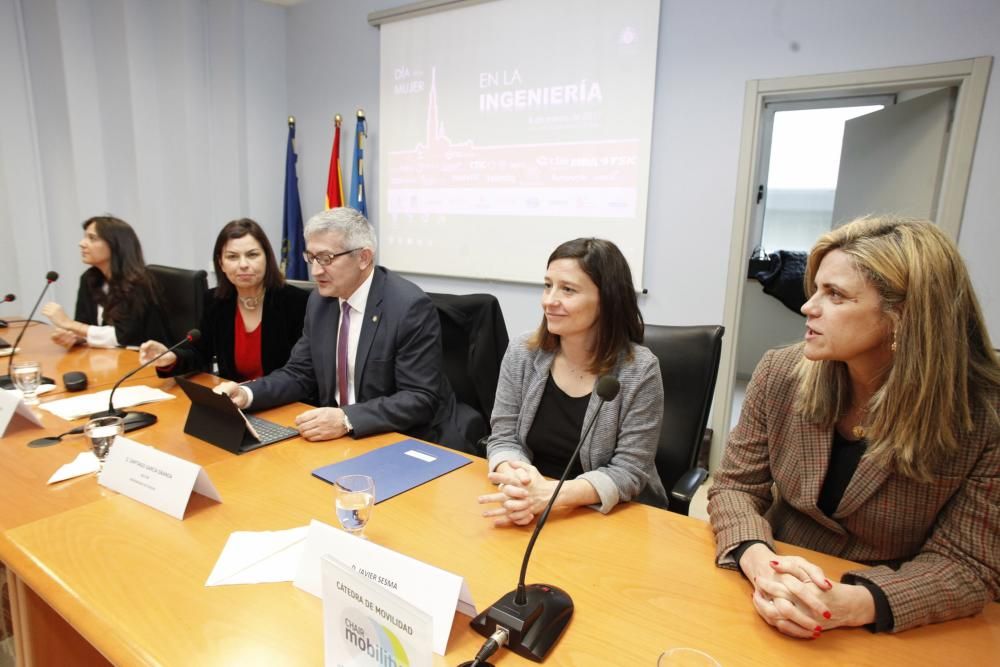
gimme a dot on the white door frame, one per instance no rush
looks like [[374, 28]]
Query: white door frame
[[969, 76]]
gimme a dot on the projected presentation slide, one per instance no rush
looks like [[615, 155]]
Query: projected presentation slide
[[509, 127]]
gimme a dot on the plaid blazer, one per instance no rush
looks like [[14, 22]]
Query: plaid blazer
[[934, 547]]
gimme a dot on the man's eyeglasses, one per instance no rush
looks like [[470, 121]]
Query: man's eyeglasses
[[325, 258]]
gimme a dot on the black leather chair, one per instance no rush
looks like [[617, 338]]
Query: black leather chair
[[689, 364], [304, 285], [183, 292], [474, 336]]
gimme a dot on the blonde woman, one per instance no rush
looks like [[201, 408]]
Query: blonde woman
[[877, 440]]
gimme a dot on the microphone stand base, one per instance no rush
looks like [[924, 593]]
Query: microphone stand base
[[133, 420], [7, 383], [534, 626]]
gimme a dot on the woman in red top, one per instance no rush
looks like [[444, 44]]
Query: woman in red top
[[252, 318]]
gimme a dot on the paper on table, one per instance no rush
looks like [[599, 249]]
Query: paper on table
[[42, 389], [259, 557], [87, 404], [84, 463]]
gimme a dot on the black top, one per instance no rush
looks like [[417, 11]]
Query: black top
[[281, 327], [844, 459], [555, 433], [145, 321]]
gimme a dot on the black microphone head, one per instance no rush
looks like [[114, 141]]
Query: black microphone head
[[9, 297], [607, 387], [193, 335], [52, 276]]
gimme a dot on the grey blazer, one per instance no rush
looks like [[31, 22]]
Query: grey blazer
[[618, 455], [398, 378]]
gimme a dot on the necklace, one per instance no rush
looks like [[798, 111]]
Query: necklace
[[859, 430], [251, 302]]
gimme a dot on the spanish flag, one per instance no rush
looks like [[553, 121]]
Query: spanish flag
[[335, 180]]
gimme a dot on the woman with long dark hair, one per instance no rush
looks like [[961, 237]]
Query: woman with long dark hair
[[117, 302], [591, 326], [252, 318]]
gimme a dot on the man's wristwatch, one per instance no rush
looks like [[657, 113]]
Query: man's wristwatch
[[347, 424]]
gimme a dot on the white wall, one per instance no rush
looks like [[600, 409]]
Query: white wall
[[170, 115], [707, 53]]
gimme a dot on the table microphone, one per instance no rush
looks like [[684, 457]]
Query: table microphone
[[7, 299], [535, 616], [137, 420], [6, 381]]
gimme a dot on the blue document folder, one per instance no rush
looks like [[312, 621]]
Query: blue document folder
[[397, 468]]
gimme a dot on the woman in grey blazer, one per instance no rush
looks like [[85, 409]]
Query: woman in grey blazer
[[591, 327]]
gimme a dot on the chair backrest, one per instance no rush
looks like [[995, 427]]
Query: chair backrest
[[183, 292], [474, 336], [304, 285], [689, 364]]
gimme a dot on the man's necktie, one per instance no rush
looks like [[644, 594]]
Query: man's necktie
[[345, 328]]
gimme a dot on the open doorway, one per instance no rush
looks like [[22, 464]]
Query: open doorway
[[867, 164]]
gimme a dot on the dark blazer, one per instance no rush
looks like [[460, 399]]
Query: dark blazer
[[398, 379], [281, 326], [146, 322], [935, 546]]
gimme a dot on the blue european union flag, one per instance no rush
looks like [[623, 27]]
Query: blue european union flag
[[292, 243]]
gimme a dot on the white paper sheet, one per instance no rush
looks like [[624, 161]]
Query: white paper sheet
[[42, 389], [84, 464], [259, 557], [87, 404]]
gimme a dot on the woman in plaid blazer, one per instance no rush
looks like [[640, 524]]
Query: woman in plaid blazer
[[877, 440]]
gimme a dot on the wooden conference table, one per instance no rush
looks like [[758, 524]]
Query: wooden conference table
[[98, 577], [102, 366]]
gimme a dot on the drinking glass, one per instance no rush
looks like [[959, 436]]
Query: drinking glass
[[354, 498], [102, 432], [27, 376], [686, 657]]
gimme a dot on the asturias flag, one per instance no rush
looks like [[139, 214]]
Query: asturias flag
[[359, 198], [334, 181], [292, 243]]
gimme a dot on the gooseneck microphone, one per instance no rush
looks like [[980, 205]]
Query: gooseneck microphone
[[7, 299], [6, 381], [535, 616], [137, 420]]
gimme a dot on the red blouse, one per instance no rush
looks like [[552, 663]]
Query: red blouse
[[247, 350]]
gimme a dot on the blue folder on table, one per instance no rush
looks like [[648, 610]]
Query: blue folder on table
[[397, 468]]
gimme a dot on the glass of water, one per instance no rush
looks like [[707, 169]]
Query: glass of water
[[354, 498], [102, 432], [27, 376], [686, 657]]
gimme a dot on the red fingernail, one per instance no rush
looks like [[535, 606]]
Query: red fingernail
[[816, 635], [827, 615], [828, 583], [818, 629], [774, 563]]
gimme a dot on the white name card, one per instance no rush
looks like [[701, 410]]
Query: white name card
[[428, 588], [12, 408], [154, 478], [364, 625]]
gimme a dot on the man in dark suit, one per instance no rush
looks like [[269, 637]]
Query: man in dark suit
[[370, 347]]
